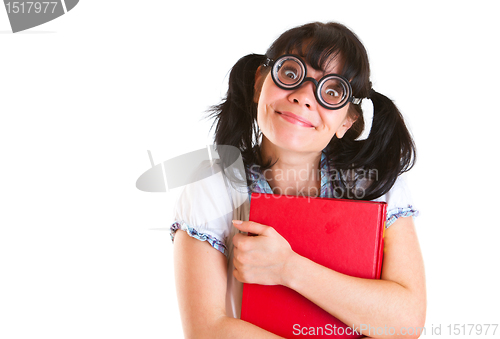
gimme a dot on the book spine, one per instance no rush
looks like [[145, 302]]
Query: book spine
[[380, 256]]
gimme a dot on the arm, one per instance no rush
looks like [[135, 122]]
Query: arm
[[397, 300], [201, 279]]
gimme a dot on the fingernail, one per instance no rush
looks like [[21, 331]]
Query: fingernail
[[237, 222]]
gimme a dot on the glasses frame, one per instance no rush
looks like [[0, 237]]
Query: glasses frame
[[318, 84]]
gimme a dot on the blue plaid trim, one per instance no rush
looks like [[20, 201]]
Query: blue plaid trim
[[213, 241], [326, 187], [396, 213]]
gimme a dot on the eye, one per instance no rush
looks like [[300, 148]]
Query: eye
[[290, 73], [332, 92]]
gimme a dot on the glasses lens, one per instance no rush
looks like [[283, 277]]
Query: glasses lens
[[334, 91], [289, 71]]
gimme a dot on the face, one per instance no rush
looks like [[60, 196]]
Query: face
[[293, 119]]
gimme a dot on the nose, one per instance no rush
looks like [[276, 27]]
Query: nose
[[304, 94]]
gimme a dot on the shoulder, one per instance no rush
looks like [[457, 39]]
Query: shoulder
[[208, 202], [399, 201], [213, 184]]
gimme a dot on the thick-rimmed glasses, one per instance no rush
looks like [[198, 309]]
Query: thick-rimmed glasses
[[333, 91]]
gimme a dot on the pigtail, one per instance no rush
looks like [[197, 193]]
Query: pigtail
[[235, 117], [375, 163]]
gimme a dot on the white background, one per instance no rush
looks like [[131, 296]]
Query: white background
[[84, 254]]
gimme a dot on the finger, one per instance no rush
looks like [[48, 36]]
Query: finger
[[250, 226], [238, 276], [238, 238]]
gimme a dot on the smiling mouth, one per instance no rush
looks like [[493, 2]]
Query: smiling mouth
[[295, 119]]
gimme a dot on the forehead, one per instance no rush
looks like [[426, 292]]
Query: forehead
[[320, 58]]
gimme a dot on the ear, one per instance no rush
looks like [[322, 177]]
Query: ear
[[259, 80], [348, 121]]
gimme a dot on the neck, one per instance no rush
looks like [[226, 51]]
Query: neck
[[294, 173]]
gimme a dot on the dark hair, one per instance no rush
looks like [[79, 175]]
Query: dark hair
[[375, 163]]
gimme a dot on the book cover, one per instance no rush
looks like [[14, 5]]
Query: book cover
[[343, 235]]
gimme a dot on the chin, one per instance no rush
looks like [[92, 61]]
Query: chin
[[294, 144]]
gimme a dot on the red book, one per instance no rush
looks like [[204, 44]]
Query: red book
[[344, 235]]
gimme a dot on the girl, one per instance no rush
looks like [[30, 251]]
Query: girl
[[297, 109]]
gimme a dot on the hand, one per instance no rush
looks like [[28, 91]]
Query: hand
[[260, 259]]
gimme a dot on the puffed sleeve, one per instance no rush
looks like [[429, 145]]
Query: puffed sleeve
[[207, 205], [399, 202]]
